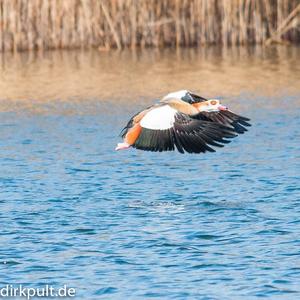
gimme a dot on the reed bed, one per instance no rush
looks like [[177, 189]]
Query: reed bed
[[52, 24]]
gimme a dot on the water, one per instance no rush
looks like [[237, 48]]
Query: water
[[141, 225]]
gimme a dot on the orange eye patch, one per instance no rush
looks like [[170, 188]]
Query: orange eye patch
[[213, 102]]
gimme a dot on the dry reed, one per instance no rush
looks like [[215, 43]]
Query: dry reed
[[51, 24]]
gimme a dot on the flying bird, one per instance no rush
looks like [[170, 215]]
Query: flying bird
[[184, 121]]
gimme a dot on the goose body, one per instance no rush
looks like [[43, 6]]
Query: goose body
[[184, 121]]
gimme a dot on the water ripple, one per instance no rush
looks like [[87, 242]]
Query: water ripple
[[141, 225]]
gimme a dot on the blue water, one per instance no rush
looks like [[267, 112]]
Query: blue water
[[140, 225]]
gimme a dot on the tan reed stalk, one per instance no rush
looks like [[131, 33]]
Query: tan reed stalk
[[52, 24]]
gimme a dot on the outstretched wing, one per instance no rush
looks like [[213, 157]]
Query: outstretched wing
[[227, 118], [164, 128], [134, 119]]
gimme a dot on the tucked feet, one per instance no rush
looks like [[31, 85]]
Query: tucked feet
[[122, 146]]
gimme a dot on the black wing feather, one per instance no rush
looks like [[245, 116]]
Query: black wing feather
[[155, 140], [227, 118], [187, 135]]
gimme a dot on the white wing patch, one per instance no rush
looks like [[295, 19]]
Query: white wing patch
[[159, 118]]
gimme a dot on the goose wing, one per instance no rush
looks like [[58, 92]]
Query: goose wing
[[134, 120], [164, 128], [227, 118]]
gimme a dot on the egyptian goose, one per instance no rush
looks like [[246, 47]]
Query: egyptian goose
[[183, 120]]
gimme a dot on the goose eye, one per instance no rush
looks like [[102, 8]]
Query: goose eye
[[213, 102]]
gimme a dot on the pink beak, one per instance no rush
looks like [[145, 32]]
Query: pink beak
[[222, 107]]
